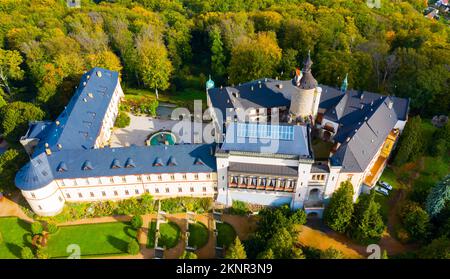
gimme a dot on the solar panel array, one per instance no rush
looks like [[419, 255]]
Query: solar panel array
[[250, 130]]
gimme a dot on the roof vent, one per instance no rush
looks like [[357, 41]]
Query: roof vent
[[172, 162], [361, 96], [251, 88], [85, 100], [280, 85], [362, 106], [158, 162], [87, 166], [62, 167], [84, 83], [115, 164], [46, 145], [390, 104], [91, 95], [130, 163], [48, 151], [99, 74], [365, 118], [59, 146], [265, 79], [88, 77], [198, 161], [221, 87], [348, 139], [57, 122]]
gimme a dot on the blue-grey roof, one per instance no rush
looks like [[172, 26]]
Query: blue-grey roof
[[35, 174], [299, 145], [133, 160], [80, 122]]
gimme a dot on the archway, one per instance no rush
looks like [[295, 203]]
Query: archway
[[314, 194]]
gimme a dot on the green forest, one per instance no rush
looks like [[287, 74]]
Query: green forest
[[173, 45]]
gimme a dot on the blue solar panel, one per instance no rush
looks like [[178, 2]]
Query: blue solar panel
[[252, 130]]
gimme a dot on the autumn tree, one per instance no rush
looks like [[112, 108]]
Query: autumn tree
[[236, 250], [338, 213], [254, 58], [10, 61]]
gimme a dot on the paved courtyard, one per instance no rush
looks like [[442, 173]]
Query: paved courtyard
[[142, 126]]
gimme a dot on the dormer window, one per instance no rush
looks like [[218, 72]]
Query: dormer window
[[62, 167], [130, 163], [172, 161], [87, 166], [115, 164], [158, 162], [198, 161]]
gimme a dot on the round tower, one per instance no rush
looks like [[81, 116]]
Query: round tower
[[305, 101]]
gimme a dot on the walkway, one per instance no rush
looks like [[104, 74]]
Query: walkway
[[9, 206]]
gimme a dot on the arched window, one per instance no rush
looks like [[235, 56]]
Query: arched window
[[314, 194]]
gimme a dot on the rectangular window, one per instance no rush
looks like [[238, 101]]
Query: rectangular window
[[33, 195], [159, 177], [204, 189], [60, 199], [111, 180], [208, 176], [157, 190], [68, 195], [184, 176], [103, 194], [100, 181], [127, 192], [196, 176], [124, 179], [136, 191], [92, 194], [147, 191], [139, 178], [180, 190], [87, 181], [80, 195], [39, 207], [167, 190], [192, 189], [115, 193], [149, 178], [62, 183], [75, 183], [172, 177]]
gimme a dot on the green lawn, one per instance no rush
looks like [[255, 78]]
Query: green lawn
[[198, 235], [151, 235], [93, 239], [390, 177], [226, 234], [182, 98], [170, 235], [16, 234]]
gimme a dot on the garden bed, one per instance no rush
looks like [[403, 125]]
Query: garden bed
[[226, 234], [198, 235]]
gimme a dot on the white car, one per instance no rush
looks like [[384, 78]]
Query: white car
[[385, 185], [382, 191]]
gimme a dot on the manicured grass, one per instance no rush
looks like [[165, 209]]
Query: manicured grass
[[93, 239], [151, 235], [198, 235], [226, 234], [390, 177], [170, 235], [182, 98], [16, 234], [384, 204]]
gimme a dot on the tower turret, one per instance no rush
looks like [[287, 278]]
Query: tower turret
[[305, 101], [209, 83]]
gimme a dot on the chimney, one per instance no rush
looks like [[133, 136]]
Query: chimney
[[48, 151], [280, 85], [251, 88]]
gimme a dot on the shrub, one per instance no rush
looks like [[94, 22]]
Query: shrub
[[188, 256], [137, 222], [239, 208], [178, 205], [41, 253], [415, 220], [331, 253], [52, 228], [26, 253], [122, 120], [298, 217], [133, 248], [36, 228]]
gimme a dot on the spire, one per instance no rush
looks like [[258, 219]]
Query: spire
[[344, 84], [209, 83], [307, 64]]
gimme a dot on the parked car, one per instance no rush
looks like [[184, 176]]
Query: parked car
[[382, 191], [385, 185]]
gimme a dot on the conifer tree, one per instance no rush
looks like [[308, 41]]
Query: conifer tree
[[236, 250], [339, 211]]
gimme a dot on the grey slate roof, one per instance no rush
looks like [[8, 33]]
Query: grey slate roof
[[299, 146], [81, 120], [263, 169]]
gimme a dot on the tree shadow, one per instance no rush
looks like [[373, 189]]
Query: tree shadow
[[118, 243], [14, 249], [24, 225], [130, 231]]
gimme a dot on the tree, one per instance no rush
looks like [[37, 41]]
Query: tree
[[10, 161], [437, 198], [154, 67], [288, 62], [415, 220], [15, 117], [236, 250], [217, 52], [366, 224], [133, 247], [136, 222], [283, 244], [10, 61], [52, 227], [266, 255], [331, 253], [298, 217], [384, 256], [254, 58], [438, 249], [122, 120], [36, 228], [26, 253], [410, 144], [188, 256], [338, 213]]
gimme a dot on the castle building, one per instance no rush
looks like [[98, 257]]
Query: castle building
[[271, 133]]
